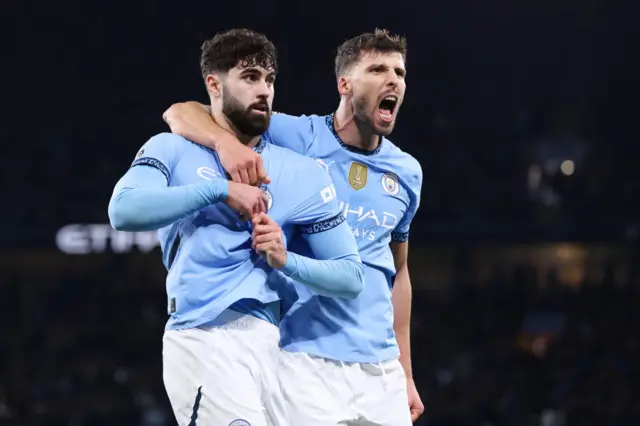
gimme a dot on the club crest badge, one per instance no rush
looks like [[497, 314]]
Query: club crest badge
[[266, 192], [390, 183], [358, 175]]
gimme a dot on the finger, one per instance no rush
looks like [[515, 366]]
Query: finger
[[265, 198], [264, 219], [265, 238], [269, 221], [262, 247], [257, 220], [244, 176], [253, 176], [235, 176], [259, 207], [261, 172], [262, 229]]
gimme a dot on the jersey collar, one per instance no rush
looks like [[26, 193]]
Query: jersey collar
[[330, 124], [260, 146]]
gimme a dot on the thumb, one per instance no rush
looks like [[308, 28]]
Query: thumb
[[260, 219]]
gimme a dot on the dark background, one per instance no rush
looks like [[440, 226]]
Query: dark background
[[526, 279]]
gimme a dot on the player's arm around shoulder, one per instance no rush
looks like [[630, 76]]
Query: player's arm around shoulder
[[194, 122], [296, 133]]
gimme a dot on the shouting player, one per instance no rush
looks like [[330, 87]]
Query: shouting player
[[346, 361], [220, 347]]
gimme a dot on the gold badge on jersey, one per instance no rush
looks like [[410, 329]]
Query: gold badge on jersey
[[358, 175]]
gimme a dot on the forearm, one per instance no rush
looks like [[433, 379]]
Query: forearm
[[193, 121], [335, 278], [336, 271], [134, 207], [401, 299]]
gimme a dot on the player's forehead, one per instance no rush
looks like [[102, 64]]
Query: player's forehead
[[376, 57]]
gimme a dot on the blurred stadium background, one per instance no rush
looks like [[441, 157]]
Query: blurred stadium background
[[524, 255]]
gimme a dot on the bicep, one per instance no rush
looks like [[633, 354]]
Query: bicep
[[317, 207], [140, 176], [334, 241], [288, 131], [160, 152]]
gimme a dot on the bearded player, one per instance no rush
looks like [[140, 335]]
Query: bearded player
[[220, 346], [346, 361]]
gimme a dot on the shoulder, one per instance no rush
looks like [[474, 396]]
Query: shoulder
[[405, 165], [300, 167], [165, 141], [299, 122], [295, 161]]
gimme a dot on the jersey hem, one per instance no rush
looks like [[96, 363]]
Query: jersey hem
[[393, 353]]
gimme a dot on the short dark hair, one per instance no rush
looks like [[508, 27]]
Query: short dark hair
[[237, 47], [379, 41]]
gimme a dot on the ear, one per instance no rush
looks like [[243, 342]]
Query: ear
[[344, 86], [214, 85]]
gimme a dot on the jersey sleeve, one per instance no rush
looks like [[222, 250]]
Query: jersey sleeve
[[289, 131], [414, 185], [336, 269], [142, 199], [318, 209], [161, 152]]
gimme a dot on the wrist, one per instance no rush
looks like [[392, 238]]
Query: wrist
[[220, 141], [219, 189], [290, 265]]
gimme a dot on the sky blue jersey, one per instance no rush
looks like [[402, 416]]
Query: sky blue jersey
[[379, 194], [179, 187]]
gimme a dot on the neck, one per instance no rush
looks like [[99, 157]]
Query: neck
[[351, 131], [223, 121]]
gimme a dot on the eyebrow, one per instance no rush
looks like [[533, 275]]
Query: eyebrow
[[255, 70], [398, 70]]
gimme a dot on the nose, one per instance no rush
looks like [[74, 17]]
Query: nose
[[392, 79], [263, 90]]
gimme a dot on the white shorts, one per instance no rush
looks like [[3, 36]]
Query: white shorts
[[323, 392], [224, 374]]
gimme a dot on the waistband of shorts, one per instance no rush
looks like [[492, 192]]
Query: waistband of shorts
[[232, 320]]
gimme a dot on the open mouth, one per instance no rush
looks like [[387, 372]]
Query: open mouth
[[387, 107], [259, 108]]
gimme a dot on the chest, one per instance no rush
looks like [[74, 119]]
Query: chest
[[372, 197], [197, 164]]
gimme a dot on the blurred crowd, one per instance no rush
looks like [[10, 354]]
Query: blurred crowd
[[85, 350]]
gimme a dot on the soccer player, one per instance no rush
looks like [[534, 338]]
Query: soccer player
[[220, 347], [347, 361]]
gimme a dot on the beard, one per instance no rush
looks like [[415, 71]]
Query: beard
[[244, 119], [365, 120]]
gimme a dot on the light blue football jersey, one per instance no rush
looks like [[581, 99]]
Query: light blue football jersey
[[211, 265], [379, 193]]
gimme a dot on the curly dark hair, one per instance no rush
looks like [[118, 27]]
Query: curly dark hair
[[237, 47], [379, 41]]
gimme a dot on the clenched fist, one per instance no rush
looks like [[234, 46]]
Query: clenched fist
[[267, 240], [193, 121], [246, 200], [242, 163]]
